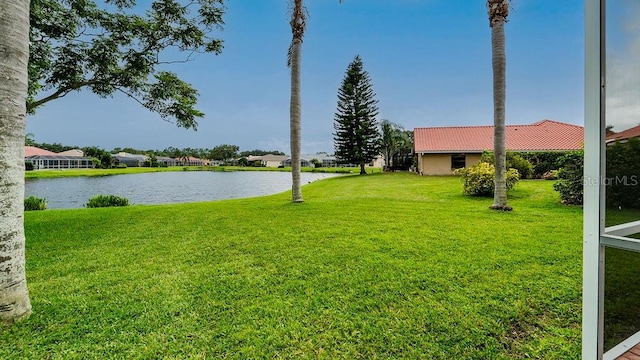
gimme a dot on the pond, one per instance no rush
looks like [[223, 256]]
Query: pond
[[164, 187]]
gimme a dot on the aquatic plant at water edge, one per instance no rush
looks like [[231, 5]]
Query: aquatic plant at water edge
[[33, 203], [107, 201]]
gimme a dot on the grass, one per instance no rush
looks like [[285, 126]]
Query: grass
[[52, 173], [380, 266]]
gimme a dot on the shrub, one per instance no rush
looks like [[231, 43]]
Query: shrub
[[28, 165], [524, 167], [33, 203], [243, 161], [479, 179], [316, 163], [514, 161], [121, 166], [550, 175], [543, 162], [570, 178], [107, 201]]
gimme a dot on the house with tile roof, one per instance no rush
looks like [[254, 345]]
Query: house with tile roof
[[441, 150], [268, 160], [32, 151], [45, 159]]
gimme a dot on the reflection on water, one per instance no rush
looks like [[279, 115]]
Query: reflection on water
[[164, 187]]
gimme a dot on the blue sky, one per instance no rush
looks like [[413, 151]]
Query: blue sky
[[429, 61]]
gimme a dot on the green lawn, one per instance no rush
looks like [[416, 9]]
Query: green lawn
[[379, 266], [52, 173]]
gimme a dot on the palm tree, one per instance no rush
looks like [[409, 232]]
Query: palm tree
[[393, 137], [28, 140], [14, 42], [298, 24], [498, 12]]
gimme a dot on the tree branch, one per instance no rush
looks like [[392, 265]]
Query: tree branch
[[61, 92]]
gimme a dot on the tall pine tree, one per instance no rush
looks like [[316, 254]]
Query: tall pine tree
[[356, 137]]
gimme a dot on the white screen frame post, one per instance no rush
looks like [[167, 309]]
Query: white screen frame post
[[593, 218]]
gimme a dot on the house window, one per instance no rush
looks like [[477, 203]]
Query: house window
[[458, 161]]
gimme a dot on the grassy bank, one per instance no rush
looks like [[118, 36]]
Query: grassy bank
[[52, 173], [381, 266]]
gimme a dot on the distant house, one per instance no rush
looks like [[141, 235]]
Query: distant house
[[167, 161], [130, 160], [72, 152], [268, 160], [45, 159], [193, 161], [32, 150], [305, 160], [441, 150], [330, 161]]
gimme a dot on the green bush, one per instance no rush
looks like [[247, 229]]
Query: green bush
[[28, 165], [570, 178], [544, 162], [33, 203], [243, 161], [514, 161], [316, 163], [479, 179], [107, 201]]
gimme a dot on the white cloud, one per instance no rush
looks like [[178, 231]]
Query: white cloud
[[623, 72]]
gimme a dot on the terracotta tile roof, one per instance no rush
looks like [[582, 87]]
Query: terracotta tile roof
[[32, 151], [545, 135], [624, 135]]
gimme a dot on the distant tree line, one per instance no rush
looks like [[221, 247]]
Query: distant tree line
[[224, 152]]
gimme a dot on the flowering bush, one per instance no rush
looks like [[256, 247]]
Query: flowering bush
[[479, 179]]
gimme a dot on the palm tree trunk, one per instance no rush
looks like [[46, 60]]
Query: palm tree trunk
[[296, 120], [499, 63], [14, 56]]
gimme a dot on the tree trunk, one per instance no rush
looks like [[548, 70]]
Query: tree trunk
[[14, 56], [296, 120], [387, 166], [362, 170], [499, 94]]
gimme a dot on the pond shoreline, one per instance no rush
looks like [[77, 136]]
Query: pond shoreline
[[63, 173]]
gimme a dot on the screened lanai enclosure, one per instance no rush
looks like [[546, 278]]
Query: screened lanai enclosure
[[611, 265], [59, 162]]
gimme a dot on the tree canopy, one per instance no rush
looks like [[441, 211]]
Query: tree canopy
[[116, 47], [224, 152], [259, 152], [397, 145], [356, 136]]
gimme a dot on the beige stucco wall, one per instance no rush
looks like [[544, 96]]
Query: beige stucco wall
[[473, 159], [440, 164], [274, 163]]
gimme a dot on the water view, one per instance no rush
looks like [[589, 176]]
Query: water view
[[164, 187]]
